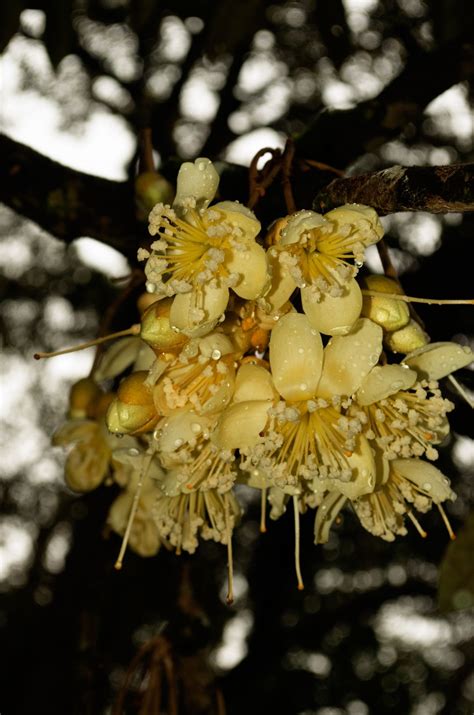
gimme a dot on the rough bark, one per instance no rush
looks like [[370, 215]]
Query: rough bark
[[437, 189]]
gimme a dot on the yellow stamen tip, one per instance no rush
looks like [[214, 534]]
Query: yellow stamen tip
[[301, 587], [118, 566]]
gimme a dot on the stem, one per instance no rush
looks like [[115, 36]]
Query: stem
[[134, 330], [412, 299], [133, 510], [230, 562], [297, 544]]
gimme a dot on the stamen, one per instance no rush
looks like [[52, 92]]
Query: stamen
[[412, 299], [451, 533], [417, 525], [133, 511], [134, 330], [297, 543], [462, 391], [230, 563], [263, 511]]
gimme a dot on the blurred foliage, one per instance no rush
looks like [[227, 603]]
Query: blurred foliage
[[366, 637]]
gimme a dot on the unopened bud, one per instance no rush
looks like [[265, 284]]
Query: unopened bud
[[389, 313], [133, 410], [156, 329], [151, 188], [411, 337], [82, 397]]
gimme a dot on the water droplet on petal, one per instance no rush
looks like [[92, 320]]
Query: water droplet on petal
[[178, 442], [427, 486], [196, 427], [216, 354], [133, 452]]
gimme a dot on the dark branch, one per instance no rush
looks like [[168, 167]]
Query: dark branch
[[338, 137], [65, 202], [437, 189]]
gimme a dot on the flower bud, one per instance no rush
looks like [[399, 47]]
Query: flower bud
[[144, 301], [133, 410], [156, 329], [411, 337], [389, 313], [151, 188], [82, 397]]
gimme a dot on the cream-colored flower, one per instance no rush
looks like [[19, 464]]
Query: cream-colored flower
[[323, 253], [133, 410], [201, 252], [303, 440], [402, 485], [406, 416]]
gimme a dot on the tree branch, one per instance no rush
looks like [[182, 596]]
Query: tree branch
[[437, 189], [338, 137], [65, 202]]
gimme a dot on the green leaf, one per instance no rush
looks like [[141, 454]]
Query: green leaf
[[456, 574]]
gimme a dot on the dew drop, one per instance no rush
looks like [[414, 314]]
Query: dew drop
[[150, 287], [133, 452], [196, 427], [427, 486], [303, 386], [178, 442], [216, 354]]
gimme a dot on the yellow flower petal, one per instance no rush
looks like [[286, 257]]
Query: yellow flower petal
[[239, 215], [198, 180], [196, 313], [383, 381], [296, 355], [326, 514], [362, 219], [240, 424], [363, 467], [298, 223], [180, 428], [253, 383], [251, 266], [426, 477], [437, 360], [333, 316], [349, 358], [282, 285]]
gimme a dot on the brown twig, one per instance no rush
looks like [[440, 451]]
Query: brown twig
[[286, 169], [260, 180], [146, 160]]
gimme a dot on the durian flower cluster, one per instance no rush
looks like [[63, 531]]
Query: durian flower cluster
[[259, 361]]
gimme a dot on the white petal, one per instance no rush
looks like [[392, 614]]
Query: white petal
[[426, 477], [437, 360], [186, 316], [326, 513], [253, 383], [383, 381], [240, 425], [199, 181], [298, 223], [349, 358], [333, 316], [296, 356], [117, 358], [363, 218]]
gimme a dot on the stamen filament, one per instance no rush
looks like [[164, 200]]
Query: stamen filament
[[134, 330], [451, 533], [230, 562], [417, 525], [263, 510], [133, 511], [412, 299], [297, 544]]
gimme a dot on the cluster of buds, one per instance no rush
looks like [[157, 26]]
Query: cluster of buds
[[261, 359]]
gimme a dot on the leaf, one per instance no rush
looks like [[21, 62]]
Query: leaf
[[456, 575]]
